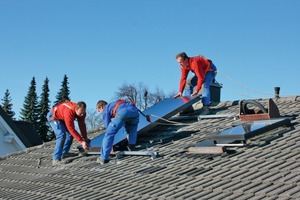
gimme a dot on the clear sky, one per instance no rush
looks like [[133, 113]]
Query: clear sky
[[100, 44]]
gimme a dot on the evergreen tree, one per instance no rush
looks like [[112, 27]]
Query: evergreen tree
[[7, 105], [30, 110], [64, 92], [43, 127]]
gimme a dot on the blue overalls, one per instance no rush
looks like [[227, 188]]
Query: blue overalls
[[126, 115]]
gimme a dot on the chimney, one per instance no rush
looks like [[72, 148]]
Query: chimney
[[277, 89], [215, 92]]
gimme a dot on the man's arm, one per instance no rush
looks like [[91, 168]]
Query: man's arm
[[71, 128], [184, 74], [199, 72], [82, 127], [69, 121]]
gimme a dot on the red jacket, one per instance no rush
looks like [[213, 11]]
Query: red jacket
[[65, 112], [200, 66]]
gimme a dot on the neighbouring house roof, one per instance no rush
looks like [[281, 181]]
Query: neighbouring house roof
[[25, 131], [267, 167], [29, 132]]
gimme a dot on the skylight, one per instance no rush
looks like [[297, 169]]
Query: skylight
[[247, 130]]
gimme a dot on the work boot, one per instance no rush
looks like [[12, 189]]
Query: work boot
[[67, 155], [57, 163], [101, 161], [205, 111], [131, 147]]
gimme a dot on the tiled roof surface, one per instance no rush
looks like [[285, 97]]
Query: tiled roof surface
[[267, 167]]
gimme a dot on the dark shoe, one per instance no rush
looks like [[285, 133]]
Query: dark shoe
[[57, 163], [101, 162], [67, 155], [205, 111], [131, 147]]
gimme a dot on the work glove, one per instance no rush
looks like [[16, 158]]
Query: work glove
[[148, 118], [87, 140]]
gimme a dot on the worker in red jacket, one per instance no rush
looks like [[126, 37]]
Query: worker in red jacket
[[204, 71], [61, 119]]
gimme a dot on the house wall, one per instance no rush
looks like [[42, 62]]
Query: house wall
[[9, 142]]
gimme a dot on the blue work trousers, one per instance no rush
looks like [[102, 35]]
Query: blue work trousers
[[128, 116], [191, 83], [63, 138]]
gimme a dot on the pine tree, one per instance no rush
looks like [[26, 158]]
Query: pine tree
[[43, 127], [30, 109], [7, 105], [64, 92]]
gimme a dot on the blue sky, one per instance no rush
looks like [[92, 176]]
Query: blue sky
[[99, 45]]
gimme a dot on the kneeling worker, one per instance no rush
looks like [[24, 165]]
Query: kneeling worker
[[116, 115]]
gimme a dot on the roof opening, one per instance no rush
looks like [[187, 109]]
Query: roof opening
[[247, 130], [254, 120]]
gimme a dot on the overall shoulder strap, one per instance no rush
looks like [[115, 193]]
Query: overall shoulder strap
[[116, 107]]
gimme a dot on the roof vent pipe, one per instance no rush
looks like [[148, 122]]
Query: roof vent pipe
[[277, 89]]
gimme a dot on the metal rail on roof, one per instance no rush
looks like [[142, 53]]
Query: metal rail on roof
[[233, 115]]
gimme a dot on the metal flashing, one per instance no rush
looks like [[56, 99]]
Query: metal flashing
[[247, 130]]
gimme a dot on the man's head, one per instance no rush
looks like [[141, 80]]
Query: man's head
[[182, 59], [80, 109], [100, 105]]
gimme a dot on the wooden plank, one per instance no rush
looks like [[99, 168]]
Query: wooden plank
[[206, 150]]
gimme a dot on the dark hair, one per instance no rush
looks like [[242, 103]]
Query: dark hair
[[101, 103], [182, 55], [81, 104]]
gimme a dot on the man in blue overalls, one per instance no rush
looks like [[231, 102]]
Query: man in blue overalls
[[116, 115]]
